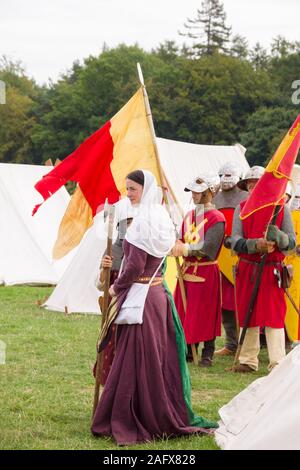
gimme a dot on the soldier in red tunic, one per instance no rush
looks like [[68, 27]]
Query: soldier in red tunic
[[250, 238], [202, 236], [226, 201]]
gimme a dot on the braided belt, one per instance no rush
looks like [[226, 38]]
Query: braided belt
[[145, 279]]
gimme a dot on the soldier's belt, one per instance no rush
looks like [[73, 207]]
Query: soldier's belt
[[187, 264], [193, 278], [272, 263], [256, 264]]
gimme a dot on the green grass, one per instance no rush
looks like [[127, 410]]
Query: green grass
[[46, 385]]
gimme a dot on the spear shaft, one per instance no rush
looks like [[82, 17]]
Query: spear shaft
[[163, 185], [254, 293], [107, 271]]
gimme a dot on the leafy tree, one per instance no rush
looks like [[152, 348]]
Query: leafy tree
[[259, 57], [216, 99], [167, 50], [209, 100], [209, 29], [284, 71], [205, 101], [281, 47], [264, 131], [16, 126], [239, 47], [81, 102], [16, 115]]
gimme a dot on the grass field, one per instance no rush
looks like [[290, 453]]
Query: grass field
[[46, 385]]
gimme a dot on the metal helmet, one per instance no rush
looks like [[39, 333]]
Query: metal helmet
[[230, 173], [203, 182], [254, 173]]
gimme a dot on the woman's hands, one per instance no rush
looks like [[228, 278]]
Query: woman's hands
[[106, 262]]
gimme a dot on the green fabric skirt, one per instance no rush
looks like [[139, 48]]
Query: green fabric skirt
[[194, 420]]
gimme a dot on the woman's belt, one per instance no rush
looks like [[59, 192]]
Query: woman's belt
[[145, 280]]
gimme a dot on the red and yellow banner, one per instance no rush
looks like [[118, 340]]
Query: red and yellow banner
[[100, 166], [271, 187]]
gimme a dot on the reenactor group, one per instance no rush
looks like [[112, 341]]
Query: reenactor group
[[221, 254], [226, 259], [212, 234]]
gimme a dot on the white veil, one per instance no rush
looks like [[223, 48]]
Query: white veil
[[152, 229]]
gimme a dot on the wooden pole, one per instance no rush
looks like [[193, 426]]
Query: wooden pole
[[152, 130], [173, 195], [163, 185], [236, 313], [99, 362]]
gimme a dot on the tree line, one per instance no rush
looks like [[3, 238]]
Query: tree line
[[214, 91]]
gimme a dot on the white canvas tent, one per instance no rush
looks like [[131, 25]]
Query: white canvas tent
[[77, 291], [26, 242], [265, 415], [181, 162]]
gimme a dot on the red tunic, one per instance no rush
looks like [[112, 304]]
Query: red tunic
[[270, 306], [228, 302], [202, 320]]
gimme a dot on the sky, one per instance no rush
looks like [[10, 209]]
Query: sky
[[49, 35]]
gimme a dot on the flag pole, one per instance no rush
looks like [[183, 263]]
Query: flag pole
[[99, 361], [164, 186], [152, 130]]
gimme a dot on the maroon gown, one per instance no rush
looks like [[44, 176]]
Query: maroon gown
[[143, 396]]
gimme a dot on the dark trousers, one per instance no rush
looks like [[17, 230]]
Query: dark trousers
[[230, 327], [207, 350]]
